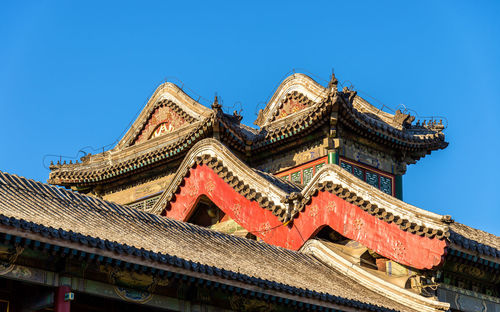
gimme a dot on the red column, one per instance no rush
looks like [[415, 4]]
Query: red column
[[59, 304]]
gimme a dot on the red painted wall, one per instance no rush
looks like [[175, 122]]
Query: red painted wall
[[387, 239]]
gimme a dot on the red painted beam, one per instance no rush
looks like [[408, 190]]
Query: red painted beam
[[325, 209]]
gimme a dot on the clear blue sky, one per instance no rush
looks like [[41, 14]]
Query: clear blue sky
[[75, 74]]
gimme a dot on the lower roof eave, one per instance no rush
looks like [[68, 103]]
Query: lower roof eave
[[407, 298], [352, 304], [476, 254]]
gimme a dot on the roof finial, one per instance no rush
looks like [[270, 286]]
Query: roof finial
[[332, 85], [215, 104]]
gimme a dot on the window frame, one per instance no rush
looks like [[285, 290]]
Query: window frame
[[312, 164], [371, 169]]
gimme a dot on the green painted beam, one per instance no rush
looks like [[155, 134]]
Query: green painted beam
[[399, 187]]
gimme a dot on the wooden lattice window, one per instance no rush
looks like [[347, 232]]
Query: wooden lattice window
[[145, 204], [303, 173], [376, 178]]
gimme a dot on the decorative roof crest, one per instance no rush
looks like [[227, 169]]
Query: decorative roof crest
[[215, 105]]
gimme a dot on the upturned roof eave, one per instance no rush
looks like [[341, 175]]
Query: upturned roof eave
[[383, 132], [113, 164]]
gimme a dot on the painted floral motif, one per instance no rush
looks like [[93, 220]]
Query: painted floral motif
[[210, 187], [399, 249], [332, 206], [265, 228], [21, 272], [313, 212], [192, 190], [132, 286], [358, 224], [236, 210]]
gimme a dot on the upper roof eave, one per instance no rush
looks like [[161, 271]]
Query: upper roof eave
[[101, 167], [369, 121], [354, 112]]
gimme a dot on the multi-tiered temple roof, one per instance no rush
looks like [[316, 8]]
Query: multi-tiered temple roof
[[299, 107], [87, 226], [306, 210]]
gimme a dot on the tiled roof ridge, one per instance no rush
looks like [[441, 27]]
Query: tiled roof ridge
[[385, 131], [249, 128], [234, 132], [88, 201], [307, 124], [303, 124], [372, 209], [276, 180], [170, 91], [19, 183], [296, 81], [204, 152], [284, 213], [478, 230], [382, 132]]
